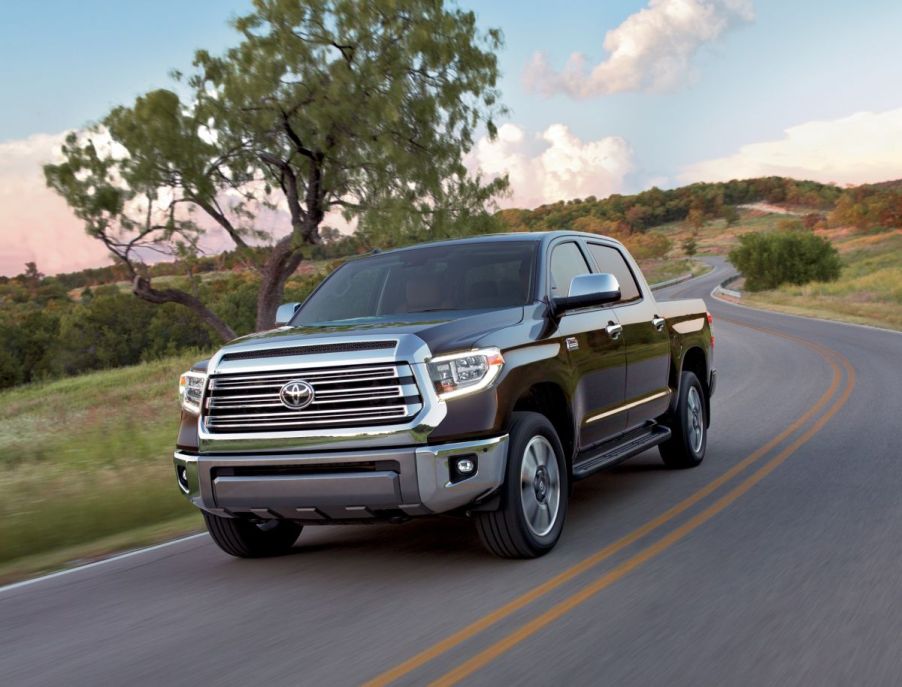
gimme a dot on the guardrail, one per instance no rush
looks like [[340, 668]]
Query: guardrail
[[671, 282], [732, 293]]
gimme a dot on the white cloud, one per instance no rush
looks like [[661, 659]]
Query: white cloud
[[35, 223], [651, 50], [862, 148], [565, 167]]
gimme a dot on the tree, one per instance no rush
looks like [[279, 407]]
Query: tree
[[690, 244], [32, 278], [773, 258], [696, 218], [363, 108], [730, 214]]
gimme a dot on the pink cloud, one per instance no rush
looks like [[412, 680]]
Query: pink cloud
[[35, 223]]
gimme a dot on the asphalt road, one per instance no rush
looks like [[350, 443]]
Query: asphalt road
[[777, 562]]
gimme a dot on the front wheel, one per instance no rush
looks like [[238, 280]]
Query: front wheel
[[245, 539], [534, 496], [689, 438]]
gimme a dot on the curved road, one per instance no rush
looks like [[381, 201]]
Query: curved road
[[776, 562]]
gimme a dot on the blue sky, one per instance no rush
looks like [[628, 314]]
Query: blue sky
[[723, 112], [69, 62]]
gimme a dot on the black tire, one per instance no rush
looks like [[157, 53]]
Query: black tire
[[688, 426], [507, 532], [245, 539]]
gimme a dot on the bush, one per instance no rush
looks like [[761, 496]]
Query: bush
[[647, 246], [770, 259]]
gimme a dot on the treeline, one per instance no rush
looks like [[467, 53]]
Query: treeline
[[72, 323], [334, 245], [871, 206], [697, 203], [44, 334]]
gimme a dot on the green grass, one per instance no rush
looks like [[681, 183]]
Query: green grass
[[869, 290], [88, 458], [657, 271]]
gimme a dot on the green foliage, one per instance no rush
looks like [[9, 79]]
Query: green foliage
[[43, 339], [730, 214], [690, 245], [365, 109], [770, 259]]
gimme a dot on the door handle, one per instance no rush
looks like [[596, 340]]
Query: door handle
[[614, 330], [658, 322]]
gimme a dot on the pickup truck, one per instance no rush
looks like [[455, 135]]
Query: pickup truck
[[478, 377]]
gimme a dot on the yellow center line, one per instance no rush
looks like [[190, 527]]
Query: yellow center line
[[511, 607], [587, 592]]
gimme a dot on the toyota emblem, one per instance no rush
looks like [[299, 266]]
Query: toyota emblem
[[296, 394]]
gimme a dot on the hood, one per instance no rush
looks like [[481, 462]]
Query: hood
[[443, 332]]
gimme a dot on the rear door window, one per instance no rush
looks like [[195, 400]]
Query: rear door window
[[610, 260]]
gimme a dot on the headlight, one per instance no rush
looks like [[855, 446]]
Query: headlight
[[191, 390], [463, 373]]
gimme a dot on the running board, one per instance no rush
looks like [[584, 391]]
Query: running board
[[599, 459]]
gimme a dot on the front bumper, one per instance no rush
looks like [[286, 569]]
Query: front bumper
[[342, 485]]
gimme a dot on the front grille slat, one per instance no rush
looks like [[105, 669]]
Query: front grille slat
[[310, 374], [347, 396]]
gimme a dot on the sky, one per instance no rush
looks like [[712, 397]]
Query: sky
[[610, 96]]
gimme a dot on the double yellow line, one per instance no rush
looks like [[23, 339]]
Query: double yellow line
[[837, 363]]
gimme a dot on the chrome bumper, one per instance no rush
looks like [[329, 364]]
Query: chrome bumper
[[342, 485]]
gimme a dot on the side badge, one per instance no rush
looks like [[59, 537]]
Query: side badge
[[572, 343]]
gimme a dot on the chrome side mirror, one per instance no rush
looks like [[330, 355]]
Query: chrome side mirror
[[285, 312], [587, 290]]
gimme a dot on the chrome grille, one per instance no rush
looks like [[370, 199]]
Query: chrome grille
[[348, 396]]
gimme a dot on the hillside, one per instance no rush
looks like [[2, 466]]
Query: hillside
[[87, 465], [51, 327]]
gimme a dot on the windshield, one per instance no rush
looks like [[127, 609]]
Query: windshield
[[467, 276]]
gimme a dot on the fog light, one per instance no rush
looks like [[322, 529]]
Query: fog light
[[182, 476], [462, 467], [465, 465]]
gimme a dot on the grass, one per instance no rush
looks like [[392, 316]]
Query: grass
[[869, 290], [88, 459], [657, 271]]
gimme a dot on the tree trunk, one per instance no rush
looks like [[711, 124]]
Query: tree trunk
[[280, 265], [142, 289]]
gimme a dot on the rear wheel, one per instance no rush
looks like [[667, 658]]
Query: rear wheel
[[534, 495], [689, 436], [246, 539]]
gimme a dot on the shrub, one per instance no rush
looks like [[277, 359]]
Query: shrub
[[648, 246], [770, 259]]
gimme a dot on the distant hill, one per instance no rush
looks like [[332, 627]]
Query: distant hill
[[617, 215]]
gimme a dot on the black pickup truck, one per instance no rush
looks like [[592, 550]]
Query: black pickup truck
[[479, 377]]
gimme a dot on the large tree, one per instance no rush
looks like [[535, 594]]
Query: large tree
[[363, 107]]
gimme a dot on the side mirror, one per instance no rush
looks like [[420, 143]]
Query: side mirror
[[285, 312], [587, 290]]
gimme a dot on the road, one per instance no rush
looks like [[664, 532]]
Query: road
[[776, 562]]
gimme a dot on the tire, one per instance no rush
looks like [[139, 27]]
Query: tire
[[244, 539], [689, 432], [536, 481]]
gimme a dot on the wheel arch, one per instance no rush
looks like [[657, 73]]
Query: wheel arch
[[694, 359], [550, 399]]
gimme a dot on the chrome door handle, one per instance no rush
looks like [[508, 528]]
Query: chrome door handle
[[658, 322], [614, 330]]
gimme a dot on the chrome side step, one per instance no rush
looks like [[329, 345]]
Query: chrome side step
[[605, 456]]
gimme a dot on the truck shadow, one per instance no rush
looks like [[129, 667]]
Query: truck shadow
[[453, 538]]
